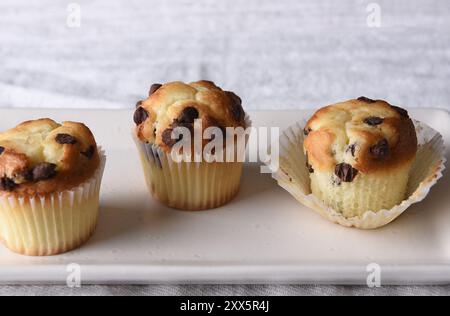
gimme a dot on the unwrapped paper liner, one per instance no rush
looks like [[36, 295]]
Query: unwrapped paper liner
[[54, 223], [427, 169]]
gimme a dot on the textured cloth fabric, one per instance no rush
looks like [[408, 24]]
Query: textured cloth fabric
[[274, 54], [226, 290]]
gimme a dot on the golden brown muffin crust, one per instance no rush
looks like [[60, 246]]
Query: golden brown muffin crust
[[41, 157], [369, 135], [178, 104]]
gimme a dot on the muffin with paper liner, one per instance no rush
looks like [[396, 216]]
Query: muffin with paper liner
[[196, 107], [50, 176], [360, 163]]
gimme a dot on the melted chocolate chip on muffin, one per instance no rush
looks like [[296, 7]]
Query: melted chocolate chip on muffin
[[236, 106], [7, 184], [43, 171], [373, 121], [188, 115], [153, 88], [309, 167], [306, 131], [140, 115], [345, 172], [89, 153], [65, 139], [380, 149], [401, 111], [167, 138], [366, 100]]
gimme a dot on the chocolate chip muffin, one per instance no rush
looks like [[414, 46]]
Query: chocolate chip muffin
[[359, 155], [50, 178], [188, 185]]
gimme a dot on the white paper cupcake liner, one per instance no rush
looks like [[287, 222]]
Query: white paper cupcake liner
[[427, 169], [190, 186], [54, 223]]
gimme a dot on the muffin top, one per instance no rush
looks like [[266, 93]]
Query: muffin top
[[361, 135], [41, 157], [177, 104]]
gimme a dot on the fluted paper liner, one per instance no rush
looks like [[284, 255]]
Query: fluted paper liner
[[54, 223], [427, 169], [190, 186]]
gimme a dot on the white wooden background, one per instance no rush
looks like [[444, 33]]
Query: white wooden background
[[276, 54]]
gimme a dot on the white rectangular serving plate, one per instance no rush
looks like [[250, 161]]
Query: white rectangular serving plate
[[263, 236]]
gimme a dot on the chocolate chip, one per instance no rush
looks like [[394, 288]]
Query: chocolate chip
[[352, 149], [2, 149], [7, 184], [238, 112], [167, 134], [44, 171], [400, 111], [138, 104], [186, 120], [236, 106], [345, 172], [140, 115], [155, 87], [65, 139], [374, 121], [366, 100], [89, 153], [26, 175], [167, 138], [235, 98], [307, 130], [308, 165], [188, 115], [381, 149]]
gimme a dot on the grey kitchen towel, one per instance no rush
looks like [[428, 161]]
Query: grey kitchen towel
[[225, 290], [275, 54]]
